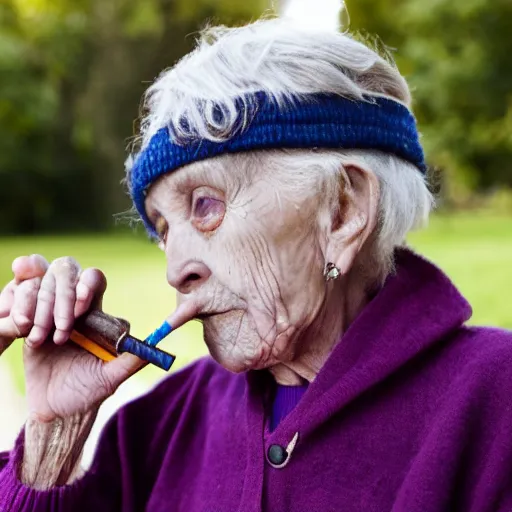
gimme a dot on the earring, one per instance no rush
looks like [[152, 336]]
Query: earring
[[331, 272]]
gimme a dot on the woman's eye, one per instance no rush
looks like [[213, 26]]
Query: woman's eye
[[161, 230], [207, 213], [204, 206]]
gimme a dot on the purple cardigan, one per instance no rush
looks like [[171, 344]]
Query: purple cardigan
[[412, 412]]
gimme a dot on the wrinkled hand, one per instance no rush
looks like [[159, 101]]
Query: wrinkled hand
[[61, 378]]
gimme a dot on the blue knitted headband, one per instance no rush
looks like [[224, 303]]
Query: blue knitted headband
[[313, 121]]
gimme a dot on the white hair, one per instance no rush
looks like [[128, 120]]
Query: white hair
[[276, 56], [287, 61]]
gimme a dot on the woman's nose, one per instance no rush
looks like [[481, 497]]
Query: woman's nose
[[188, 277]]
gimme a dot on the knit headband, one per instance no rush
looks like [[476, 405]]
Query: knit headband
[[311, 121]]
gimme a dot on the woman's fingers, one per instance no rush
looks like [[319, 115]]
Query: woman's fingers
[[19, 301], [89, 291], [66, 272], [54, 301], [64, 295], [43, 319], [24, 306]]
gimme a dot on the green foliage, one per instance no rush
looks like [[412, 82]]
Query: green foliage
[[73, 73], [456, 56], [42, 55]]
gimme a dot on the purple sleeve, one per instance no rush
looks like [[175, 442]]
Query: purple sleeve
[[98, 489], [127, 460]]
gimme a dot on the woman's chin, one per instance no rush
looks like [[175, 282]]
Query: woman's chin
[[234, 343], [240, 364]]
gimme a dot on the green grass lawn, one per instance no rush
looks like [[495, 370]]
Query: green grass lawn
[[475, 251]]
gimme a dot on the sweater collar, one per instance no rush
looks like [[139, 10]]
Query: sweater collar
[[417, 308]]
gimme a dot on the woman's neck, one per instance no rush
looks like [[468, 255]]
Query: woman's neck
[[341, 308]]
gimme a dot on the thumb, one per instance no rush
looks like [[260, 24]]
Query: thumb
[[7, 299], [121, 368], [27, 267], [8, 333]]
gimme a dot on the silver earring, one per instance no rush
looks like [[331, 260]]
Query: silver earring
[[331, 272]]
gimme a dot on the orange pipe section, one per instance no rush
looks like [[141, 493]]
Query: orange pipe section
[[91, 347]]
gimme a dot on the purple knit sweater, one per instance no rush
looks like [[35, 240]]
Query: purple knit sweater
[[283, 403], [412, 412]]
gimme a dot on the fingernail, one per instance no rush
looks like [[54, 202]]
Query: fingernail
[[82, 291], [14, 266], [15, 262], [60, 337], [35, 335]]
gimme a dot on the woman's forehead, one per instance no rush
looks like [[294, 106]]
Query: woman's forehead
[[221, 172]]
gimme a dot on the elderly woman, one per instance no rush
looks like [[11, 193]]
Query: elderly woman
[[280, 170]]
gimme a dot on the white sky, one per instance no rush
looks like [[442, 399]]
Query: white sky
[[314, 13]]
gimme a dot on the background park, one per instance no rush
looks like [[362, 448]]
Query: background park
[[72, 74]]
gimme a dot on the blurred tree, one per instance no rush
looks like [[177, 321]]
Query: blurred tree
[[133, 41], [456, 56], [72, 74], [38, 52]]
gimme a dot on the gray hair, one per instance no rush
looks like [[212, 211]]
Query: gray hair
[[286, 61]]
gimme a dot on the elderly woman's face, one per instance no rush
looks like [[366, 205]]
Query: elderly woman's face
[[248, 251], [243, 250]]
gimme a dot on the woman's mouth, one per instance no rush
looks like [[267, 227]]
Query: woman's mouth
[[211, 314]]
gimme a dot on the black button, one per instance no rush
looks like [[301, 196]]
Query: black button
[[277, 454]]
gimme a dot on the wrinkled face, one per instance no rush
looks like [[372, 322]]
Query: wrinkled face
[[246, 244]]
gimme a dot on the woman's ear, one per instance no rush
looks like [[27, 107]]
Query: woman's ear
[[356, 218]]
